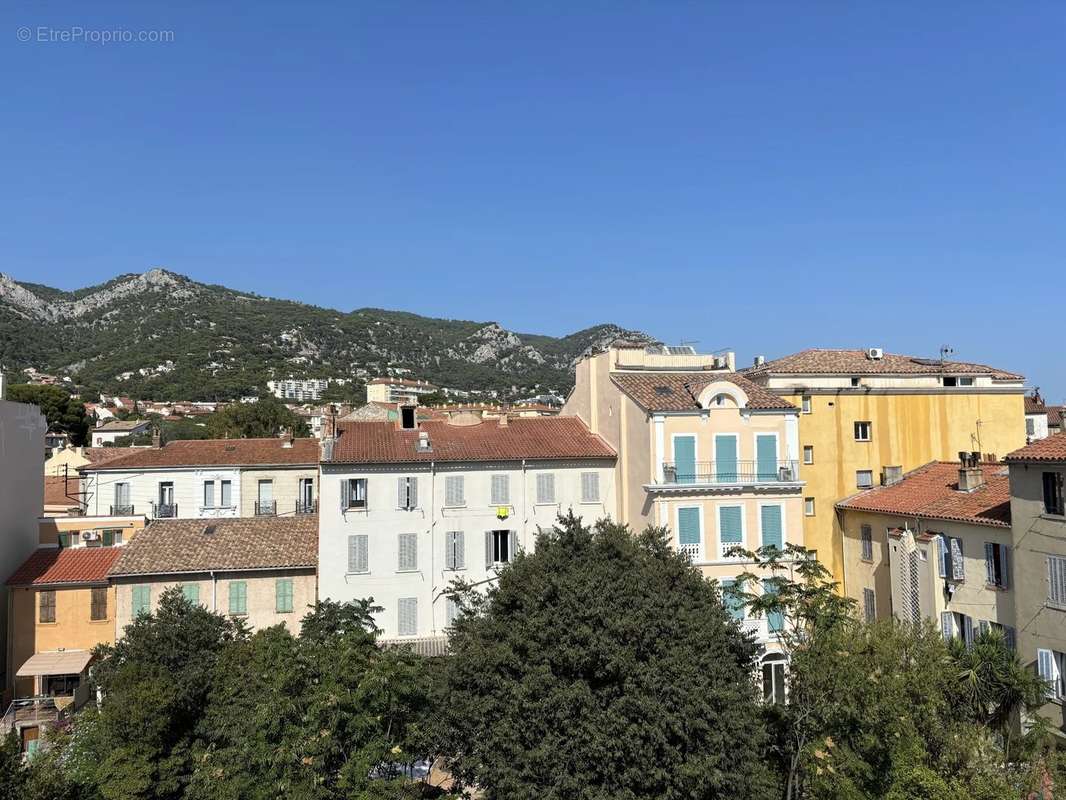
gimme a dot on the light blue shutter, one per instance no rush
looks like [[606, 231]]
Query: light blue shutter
[[685, 458], [771, 526], [725, 459], [283, 595], [766, 457], [688, 531], [733, 604], [775, 620], [142, 600], [191, 592], [730, 527]]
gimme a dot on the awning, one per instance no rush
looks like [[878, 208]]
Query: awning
[[57, 662]]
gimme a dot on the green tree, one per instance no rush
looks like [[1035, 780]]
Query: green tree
[[266, 417], [63, 412], [12, 774], [601, 666]]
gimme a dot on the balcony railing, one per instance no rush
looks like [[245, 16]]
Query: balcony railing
[[266, 508], [122, 511], [34, 711], [306, 507], [729, 472], [165, 510]]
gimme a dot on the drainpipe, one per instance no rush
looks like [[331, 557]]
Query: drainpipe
[[214, 592]]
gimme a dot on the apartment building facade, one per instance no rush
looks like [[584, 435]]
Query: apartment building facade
[[407, 506], [208, 478], [702, 451], [300, 389], [867, 416], [1038, 516], [935, 544], [397, 390]]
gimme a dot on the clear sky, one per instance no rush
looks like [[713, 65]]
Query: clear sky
[[760, 176]]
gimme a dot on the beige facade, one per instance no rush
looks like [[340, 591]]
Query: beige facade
[[286, 491], [259, 597], [1040, 562]]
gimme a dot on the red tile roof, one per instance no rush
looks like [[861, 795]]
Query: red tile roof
[[62, 491], [217, 453], [855, 362], [1034, 405], [1054, 415], [531, 438], [201, 545], [677, 391], [66, 565], [1053, 448], [932, 492]]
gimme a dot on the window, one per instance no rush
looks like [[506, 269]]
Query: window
[[191, 592], [965, 381], [407, 608], [1053, 494], [771, 527], [454, 491], [690, 533], [1030, 426], [730, 528], [209, 494], [408, 552], [590, 487], [47, 606], [226, 492], [997, 566], [265, 496], [500, 547], [806, 404], [773, 678], [808, 506], [353, 493], [869, 605], [952, 564], [407, 417], [407, 493], [733, 603], [545, 487], [1056, 572], [775, 620], [454, 550], [1051, 666], [238, 598], [98, 604], [112, 536], [863, 431], [957, 380], [122, 499], [68, 539], [501, 490], [866, 535], [451, 612], [141, 600], [855, 380], [283, 595], [864, 478], [808, 454], [358, 561]]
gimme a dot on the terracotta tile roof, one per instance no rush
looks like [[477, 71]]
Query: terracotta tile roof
[[931, 492], [677, 391], [1054, 415], [62, 491], [98, 455], [66, 565], [1053, 448], [241, 543], [855, 362], [1034, 405], [216, 453], [529, 438], [120, 426]]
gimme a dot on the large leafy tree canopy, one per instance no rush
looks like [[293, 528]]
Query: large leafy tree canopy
[[602, 666], [63, 412], [263, 418]]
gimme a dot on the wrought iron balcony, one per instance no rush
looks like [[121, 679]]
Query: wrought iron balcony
[[165, 510], [304, 507], [122, 511], [266, 508], [728, 473]]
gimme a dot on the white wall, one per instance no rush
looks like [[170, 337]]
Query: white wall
[[382, 522], [144, 490], [1040, 429]]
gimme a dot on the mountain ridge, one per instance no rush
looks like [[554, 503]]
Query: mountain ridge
[[161, 335]]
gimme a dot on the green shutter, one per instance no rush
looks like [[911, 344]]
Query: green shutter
[[191, 592], [730, 525], [283, 595], [766, 457], [770, 518], [142, 600], [725, 458], [688, 526], [775, 620], [685, 458], [734, 604], [238, 597]]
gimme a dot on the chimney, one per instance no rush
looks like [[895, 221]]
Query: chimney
[[971, 475], [760, 360], [423, 445], [503, 420], [287, 438], [157, 437]]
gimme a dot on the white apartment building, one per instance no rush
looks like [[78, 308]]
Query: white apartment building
[[407, 507], [397, 390], [300, 389]]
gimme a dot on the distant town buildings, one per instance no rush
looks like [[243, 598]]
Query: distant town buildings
[[301, 390], [397, 390]]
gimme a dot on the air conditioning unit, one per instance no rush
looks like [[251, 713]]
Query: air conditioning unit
[[90, 536], [875, 353]]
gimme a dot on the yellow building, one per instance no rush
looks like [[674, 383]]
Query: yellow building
[[868, 416]]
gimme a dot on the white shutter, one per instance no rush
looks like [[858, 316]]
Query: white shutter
[[512, 550], [967, 630], [407, 611], [412, 494], [459, 550], [958, 564], [346, 493], [401, 492], [1010, 637], [451, 612], [453, 490], [545, 487], [990, 563], [500, 490], [357, 553], [941, 557], [946, 626], [1056, 573], [590, 487], [1004, 555], [983, 626], [488, 549], [1048, 668], [408, 549]]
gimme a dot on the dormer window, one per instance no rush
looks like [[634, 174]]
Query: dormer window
[[407, 417]]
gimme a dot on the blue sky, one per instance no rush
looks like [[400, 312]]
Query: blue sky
[[760, 176]]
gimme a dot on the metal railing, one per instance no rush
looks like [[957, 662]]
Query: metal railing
[[266, 508], [306, 507], [122, 511], [33, 711], [729, 472], [165, 510]]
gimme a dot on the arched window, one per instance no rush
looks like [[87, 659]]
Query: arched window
[[773, 677]]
